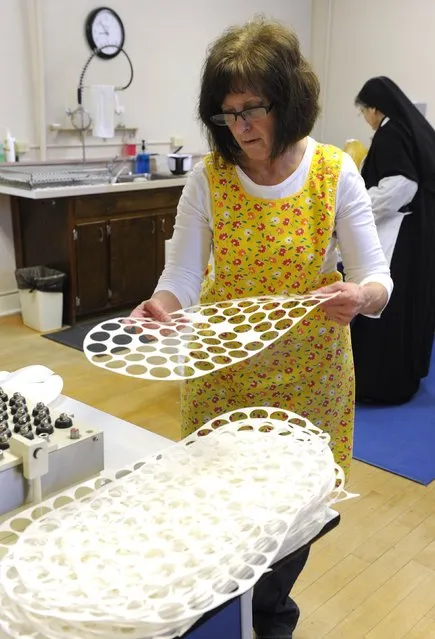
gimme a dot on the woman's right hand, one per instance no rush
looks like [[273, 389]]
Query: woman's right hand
[[152, 309]]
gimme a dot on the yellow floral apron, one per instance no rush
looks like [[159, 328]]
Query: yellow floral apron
[[278, 247]]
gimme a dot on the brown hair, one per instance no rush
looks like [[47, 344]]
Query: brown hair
[[264, 57]]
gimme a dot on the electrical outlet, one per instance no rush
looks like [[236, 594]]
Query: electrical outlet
[[21, 146], [176, 141]]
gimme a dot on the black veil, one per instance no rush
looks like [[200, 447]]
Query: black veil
[[383, 94]]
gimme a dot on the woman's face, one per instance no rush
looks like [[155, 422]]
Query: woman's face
[[254, 136], [372, 116]]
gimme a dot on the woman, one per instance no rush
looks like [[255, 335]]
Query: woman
[[393, 354], [268, 204]]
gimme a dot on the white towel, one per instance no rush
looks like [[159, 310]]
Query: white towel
[[103, 110]]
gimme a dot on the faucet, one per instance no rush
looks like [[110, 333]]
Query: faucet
[[119, 172], [126, 167]]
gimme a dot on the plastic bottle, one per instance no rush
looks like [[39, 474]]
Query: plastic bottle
[[9, 147], [142, 160]]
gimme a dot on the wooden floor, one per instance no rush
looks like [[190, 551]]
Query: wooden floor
[[373, 577]]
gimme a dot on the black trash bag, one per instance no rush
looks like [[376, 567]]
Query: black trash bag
[[40, 278]]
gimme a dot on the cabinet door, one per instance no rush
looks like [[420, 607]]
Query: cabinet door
[[165, 229], [133, 273], [92, 265]]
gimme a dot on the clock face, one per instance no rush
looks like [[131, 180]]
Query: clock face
[[104, 30]]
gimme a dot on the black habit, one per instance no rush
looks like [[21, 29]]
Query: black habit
[[393, 353]]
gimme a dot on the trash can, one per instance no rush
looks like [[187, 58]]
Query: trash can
[[41, 298]]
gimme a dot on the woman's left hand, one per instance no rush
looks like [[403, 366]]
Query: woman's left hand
[[349, 301]]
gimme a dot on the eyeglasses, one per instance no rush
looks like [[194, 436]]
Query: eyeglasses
[[249, 115]]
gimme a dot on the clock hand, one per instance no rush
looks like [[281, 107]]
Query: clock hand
[[104, 29]]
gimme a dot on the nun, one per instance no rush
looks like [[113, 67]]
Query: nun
[[392, 353]]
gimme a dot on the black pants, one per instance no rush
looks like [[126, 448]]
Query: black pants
[[274, 613]]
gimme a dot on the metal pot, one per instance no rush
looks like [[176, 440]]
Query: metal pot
[[179, 163]]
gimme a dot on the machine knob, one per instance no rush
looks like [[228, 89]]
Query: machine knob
[[21, 414], [22, 421], [26, 431], [4, 430], [45, 426], [63, 421], [40, 406], [4, 441], [16, 398], [44, 414], [19, 406]]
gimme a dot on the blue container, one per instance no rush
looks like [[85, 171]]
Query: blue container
[[142, 163], [143, 160]]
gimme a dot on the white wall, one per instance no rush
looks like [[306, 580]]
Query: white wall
[[374, 37], [166, 42]]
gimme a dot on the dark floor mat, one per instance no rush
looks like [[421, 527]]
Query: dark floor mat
[[74, 336]]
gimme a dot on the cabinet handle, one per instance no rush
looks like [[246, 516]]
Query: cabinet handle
[[100, 234], [153, 227], [163, 225]]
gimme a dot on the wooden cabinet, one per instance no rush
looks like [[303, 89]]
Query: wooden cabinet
[[112, 247]]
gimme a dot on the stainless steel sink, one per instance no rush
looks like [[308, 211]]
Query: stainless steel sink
[[44, 175], [47, 176], [166, 176], [131, 177]]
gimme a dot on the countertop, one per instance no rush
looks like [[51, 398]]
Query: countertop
[[92, 189]]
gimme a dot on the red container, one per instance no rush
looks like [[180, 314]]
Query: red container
[[128, 150]]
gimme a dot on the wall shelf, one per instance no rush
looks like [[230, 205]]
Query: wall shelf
[[119, 130]]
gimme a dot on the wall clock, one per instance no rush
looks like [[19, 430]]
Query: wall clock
[[104, 30]]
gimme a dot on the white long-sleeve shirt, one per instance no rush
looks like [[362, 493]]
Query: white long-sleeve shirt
[[355, 229], [390, 195]]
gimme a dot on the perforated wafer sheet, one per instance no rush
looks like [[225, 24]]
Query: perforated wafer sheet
[[197, 340]]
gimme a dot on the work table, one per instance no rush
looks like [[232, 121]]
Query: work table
[[125, 444]]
